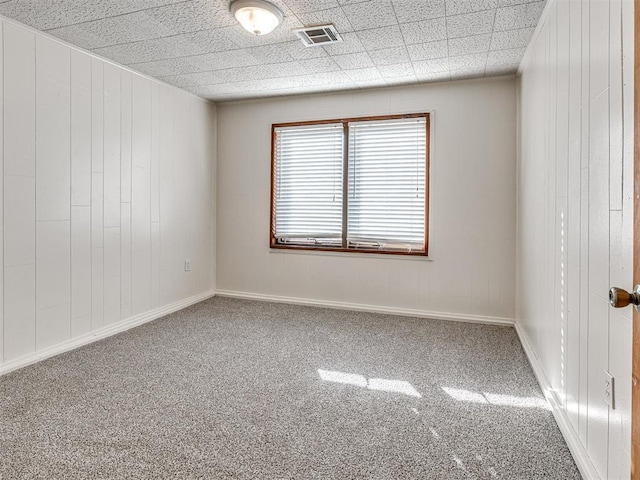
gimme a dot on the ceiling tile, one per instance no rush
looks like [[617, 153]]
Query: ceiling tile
[[352, 61], [351, 2], [426, 67], [511, 38], [389, 56], [473, 61], [505, 57], [519, 16], [364, 74], [433, 76], [457, 7], [220, 60], [401, 81], [470, 24], [198, 45], [138, 52], [271, 53], [350, 44], [467, 73], [508, 3], [427, 51], [319, 65], [284, 33], [305, 6], [169, 47], [334, 16], [191, 79], [192, 16], [45, 15], [173, 66], [415, 10], [298, 51], [112, 31], [397, 70], [466, 45], [424, 31], [373, 14], [198, 63], [380, 38], [180, 81]]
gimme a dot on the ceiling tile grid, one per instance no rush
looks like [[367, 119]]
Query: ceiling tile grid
[[197, 44]]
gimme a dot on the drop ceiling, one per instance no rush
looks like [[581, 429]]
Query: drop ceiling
[[198, 45]]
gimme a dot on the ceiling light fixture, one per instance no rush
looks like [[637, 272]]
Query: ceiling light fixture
[[256, 16]]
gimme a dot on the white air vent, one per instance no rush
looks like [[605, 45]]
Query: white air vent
[[319, 35]]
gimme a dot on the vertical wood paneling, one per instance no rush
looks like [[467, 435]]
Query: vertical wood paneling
[[155, 152], [80, 128], [97, 250], [584, 225], [125, 139], [19, 101], [19, 192], [83, 190], [80, 270], [53, 264], [181, 195], [112, 146], [167, 224], [53, 193], [53, 283], [53, 131], [155, 194], [573, 214], [125, 261], [97, 115], [1, 194], [112, 194], [125, 197], [81, 182], [19, 311], [582, 79], [141, 128]]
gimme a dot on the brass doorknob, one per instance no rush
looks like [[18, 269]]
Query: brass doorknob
[[620, 298]]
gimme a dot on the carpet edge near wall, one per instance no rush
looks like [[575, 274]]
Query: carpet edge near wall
[[360, 307], [102, 333], [577, 449]]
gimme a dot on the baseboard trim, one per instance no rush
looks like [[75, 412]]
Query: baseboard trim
[[578, 451], [101, 333], [458, 317]]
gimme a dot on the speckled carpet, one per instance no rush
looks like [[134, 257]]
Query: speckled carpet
[[250, 390]]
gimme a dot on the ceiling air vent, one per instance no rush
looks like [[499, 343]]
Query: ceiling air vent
[[319, 35]]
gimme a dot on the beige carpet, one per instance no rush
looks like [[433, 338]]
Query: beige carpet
[[251, 390]]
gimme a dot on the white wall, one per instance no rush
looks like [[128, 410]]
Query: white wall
[[575, 218], [107, 188], [472, 210]]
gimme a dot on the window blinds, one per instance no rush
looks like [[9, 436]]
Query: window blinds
[[308, 184], [386, 191]]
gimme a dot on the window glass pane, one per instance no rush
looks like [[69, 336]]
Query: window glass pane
[[308, 184], [387, 173]]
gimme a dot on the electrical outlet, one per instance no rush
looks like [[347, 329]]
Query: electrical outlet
[[610, 390], [187, 265]]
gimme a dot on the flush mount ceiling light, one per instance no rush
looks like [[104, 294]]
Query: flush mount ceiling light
[[256, 16]]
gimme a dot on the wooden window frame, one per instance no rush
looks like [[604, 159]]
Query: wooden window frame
[[345, 129]]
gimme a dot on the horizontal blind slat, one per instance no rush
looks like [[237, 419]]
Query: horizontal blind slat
[[387, 175], [308, 184]]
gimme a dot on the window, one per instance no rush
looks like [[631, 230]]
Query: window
[[356, 185]]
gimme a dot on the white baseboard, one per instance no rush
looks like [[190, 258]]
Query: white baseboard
[[577, 449], [460, 317], [103, 332]]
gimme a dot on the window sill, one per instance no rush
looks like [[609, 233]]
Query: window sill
[[354, 254]]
